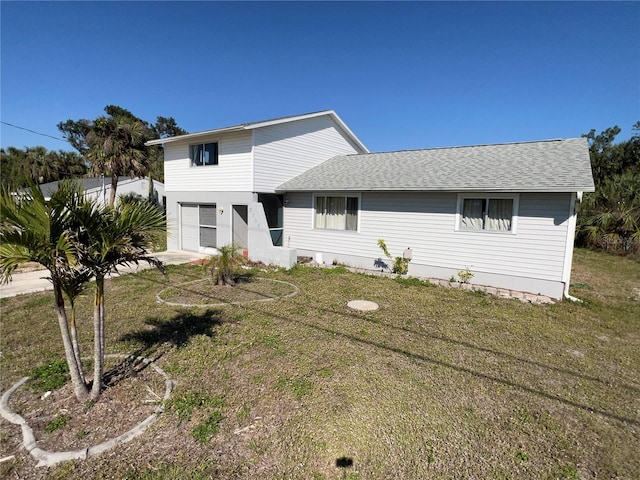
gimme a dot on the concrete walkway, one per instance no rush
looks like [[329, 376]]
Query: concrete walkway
[[36, 281]]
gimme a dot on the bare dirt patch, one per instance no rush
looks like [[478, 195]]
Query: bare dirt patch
[[61, 423], [206, 292]]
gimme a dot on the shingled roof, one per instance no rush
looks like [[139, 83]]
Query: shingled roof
[[543, 166]]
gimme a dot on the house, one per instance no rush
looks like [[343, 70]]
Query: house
[[221, 184], [507, 213], [306, 186], [99, 188]]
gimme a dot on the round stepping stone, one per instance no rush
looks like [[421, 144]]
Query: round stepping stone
[[362, 305]]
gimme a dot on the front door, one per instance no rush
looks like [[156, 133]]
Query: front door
[[240, 227]]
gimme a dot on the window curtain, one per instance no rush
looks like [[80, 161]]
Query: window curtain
[[352, 213], [196, 154], [472, 213], [499, 214], [335, 216], [320, 209]]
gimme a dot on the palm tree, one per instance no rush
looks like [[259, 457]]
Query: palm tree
[[34, 230], [67, 164], [224, 266], [40, 164], [609, 218], [109, 237], [116, 147], [75, 239]]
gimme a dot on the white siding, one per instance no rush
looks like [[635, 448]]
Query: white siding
[[286, 150], [233, 172], [426, 223]]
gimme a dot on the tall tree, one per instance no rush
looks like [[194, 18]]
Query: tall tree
[[116, 147], [21, 167], [15, 168], [609, 218], [83, 133]]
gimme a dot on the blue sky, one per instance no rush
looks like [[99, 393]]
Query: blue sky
[[402, 75]]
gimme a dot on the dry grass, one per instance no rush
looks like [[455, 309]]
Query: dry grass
[[437, 383]]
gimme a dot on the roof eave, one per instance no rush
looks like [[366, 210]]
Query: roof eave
[[193, 136], [267, 123], [559, 189]]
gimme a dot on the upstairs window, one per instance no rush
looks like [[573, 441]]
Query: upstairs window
[[204, 154], [336, 213], [492, 214]]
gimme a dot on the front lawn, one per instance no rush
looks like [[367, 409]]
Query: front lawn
[[438, 383]]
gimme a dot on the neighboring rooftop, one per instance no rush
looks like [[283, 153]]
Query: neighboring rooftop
[[544, 166]]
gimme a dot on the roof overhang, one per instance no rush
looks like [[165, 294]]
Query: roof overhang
[[266, 123]]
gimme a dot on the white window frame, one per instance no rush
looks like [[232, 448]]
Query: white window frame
[[357, 196], [192, 164], [488, 196]]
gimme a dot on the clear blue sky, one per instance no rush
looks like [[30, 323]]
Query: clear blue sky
[[401, 75]]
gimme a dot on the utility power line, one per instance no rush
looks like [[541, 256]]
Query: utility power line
[[33, 131]]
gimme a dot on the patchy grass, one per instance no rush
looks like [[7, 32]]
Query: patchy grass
[[438, 383], [49, 375]]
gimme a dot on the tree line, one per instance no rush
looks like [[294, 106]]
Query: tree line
[[110, 145], [609, 218]]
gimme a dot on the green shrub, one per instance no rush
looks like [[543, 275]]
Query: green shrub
[[400, 264]]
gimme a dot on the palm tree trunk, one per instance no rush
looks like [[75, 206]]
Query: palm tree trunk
[[74, 341], [98, 339], [114, 187], [75, 369]]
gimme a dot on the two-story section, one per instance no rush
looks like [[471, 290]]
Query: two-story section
[[220, 184]]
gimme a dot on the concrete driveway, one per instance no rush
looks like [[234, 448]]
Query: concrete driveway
[[36, 281]]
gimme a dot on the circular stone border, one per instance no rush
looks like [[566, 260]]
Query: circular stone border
[[45, 458], [159, 299], [363, 305]]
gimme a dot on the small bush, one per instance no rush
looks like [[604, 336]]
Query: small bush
[[465, 275], [400, 264]]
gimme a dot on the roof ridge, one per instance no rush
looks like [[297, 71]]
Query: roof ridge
[[465, 146], [246, 124]]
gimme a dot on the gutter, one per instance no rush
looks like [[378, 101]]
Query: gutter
[[569, 250]]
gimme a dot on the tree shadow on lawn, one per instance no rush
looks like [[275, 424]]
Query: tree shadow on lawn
[[176, 331]]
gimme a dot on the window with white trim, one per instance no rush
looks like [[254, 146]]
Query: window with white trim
[[336, 213], [203, 154], [487, 213]]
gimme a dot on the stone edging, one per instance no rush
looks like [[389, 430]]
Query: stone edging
[[45, 458], [205, 305]]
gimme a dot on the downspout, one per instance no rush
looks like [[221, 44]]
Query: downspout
[[570, 240]]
